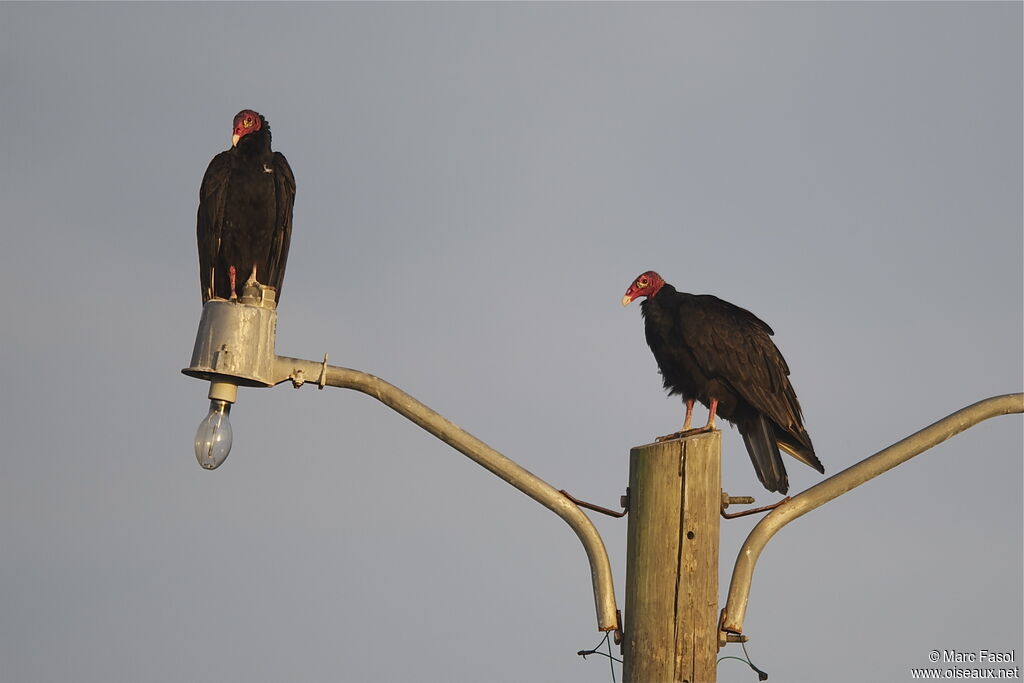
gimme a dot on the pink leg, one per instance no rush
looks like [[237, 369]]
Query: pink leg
[[711, 414], [231, 277], [687, 422]]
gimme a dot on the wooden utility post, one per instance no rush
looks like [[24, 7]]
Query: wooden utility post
[[671, 620]]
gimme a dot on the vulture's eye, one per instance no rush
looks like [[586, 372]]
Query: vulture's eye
[[642, 282]]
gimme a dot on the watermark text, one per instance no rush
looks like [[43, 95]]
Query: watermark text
[[974, 664]]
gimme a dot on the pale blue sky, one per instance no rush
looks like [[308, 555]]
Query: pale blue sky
[[477, 186]]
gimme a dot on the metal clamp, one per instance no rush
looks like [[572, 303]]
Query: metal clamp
[[322, 382]]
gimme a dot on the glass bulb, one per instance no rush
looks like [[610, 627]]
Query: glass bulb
[[213, 438]]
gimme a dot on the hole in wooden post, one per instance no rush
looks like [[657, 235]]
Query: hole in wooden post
[[689, 535]]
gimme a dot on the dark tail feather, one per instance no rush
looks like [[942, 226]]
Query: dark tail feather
[[801, 448], [759, 436]]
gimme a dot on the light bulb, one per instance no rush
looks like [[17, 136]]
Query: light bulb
[[213, 438]]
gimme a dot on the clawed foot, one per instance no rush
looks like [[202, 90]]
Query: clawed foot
[[686, 432]]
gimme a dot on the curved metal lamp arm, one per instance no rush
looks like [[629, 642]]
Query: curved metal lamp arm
[[300, 371], [235, 346], [739, 590]]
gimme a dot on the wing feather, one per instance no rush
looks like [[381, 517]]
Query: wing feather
[[284, 193], [210, 219], [733, 345]]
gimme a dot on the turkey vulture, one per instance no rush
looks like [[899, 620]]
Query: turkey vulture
[[244, 223], [722, 355]]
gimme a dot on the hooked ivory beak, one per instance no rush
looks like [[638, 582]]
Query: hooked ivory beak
[[626, 300], [234, 139]]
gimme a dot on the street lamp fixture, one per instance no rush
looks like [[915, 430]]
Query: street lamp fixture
[[234, 346]]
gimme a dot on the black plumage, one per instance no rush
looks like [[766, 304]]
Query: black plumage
[[722, 355], [244, 223]]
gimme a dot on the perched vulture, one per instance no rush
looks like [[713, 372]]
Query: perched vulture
[[711, 351], [244, 223]]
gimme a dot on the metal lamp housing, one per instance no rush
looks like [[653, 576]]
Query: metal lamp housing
[[235, 342]]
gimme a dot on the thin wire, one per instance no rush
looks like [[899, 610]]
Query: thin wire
[[611, 662], [596, 651], [738, 659], [761, 675]]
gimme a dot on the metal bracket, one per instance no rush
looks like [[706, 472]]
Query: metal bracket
[[724, 638], [596, 508]]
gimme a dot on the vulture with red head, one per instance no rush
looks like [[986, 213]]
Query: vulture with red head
[[244, 224], [711, 351]]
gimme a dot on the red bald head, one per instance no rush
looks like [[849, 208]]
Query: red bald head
[[246, 121], [647, 284]]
